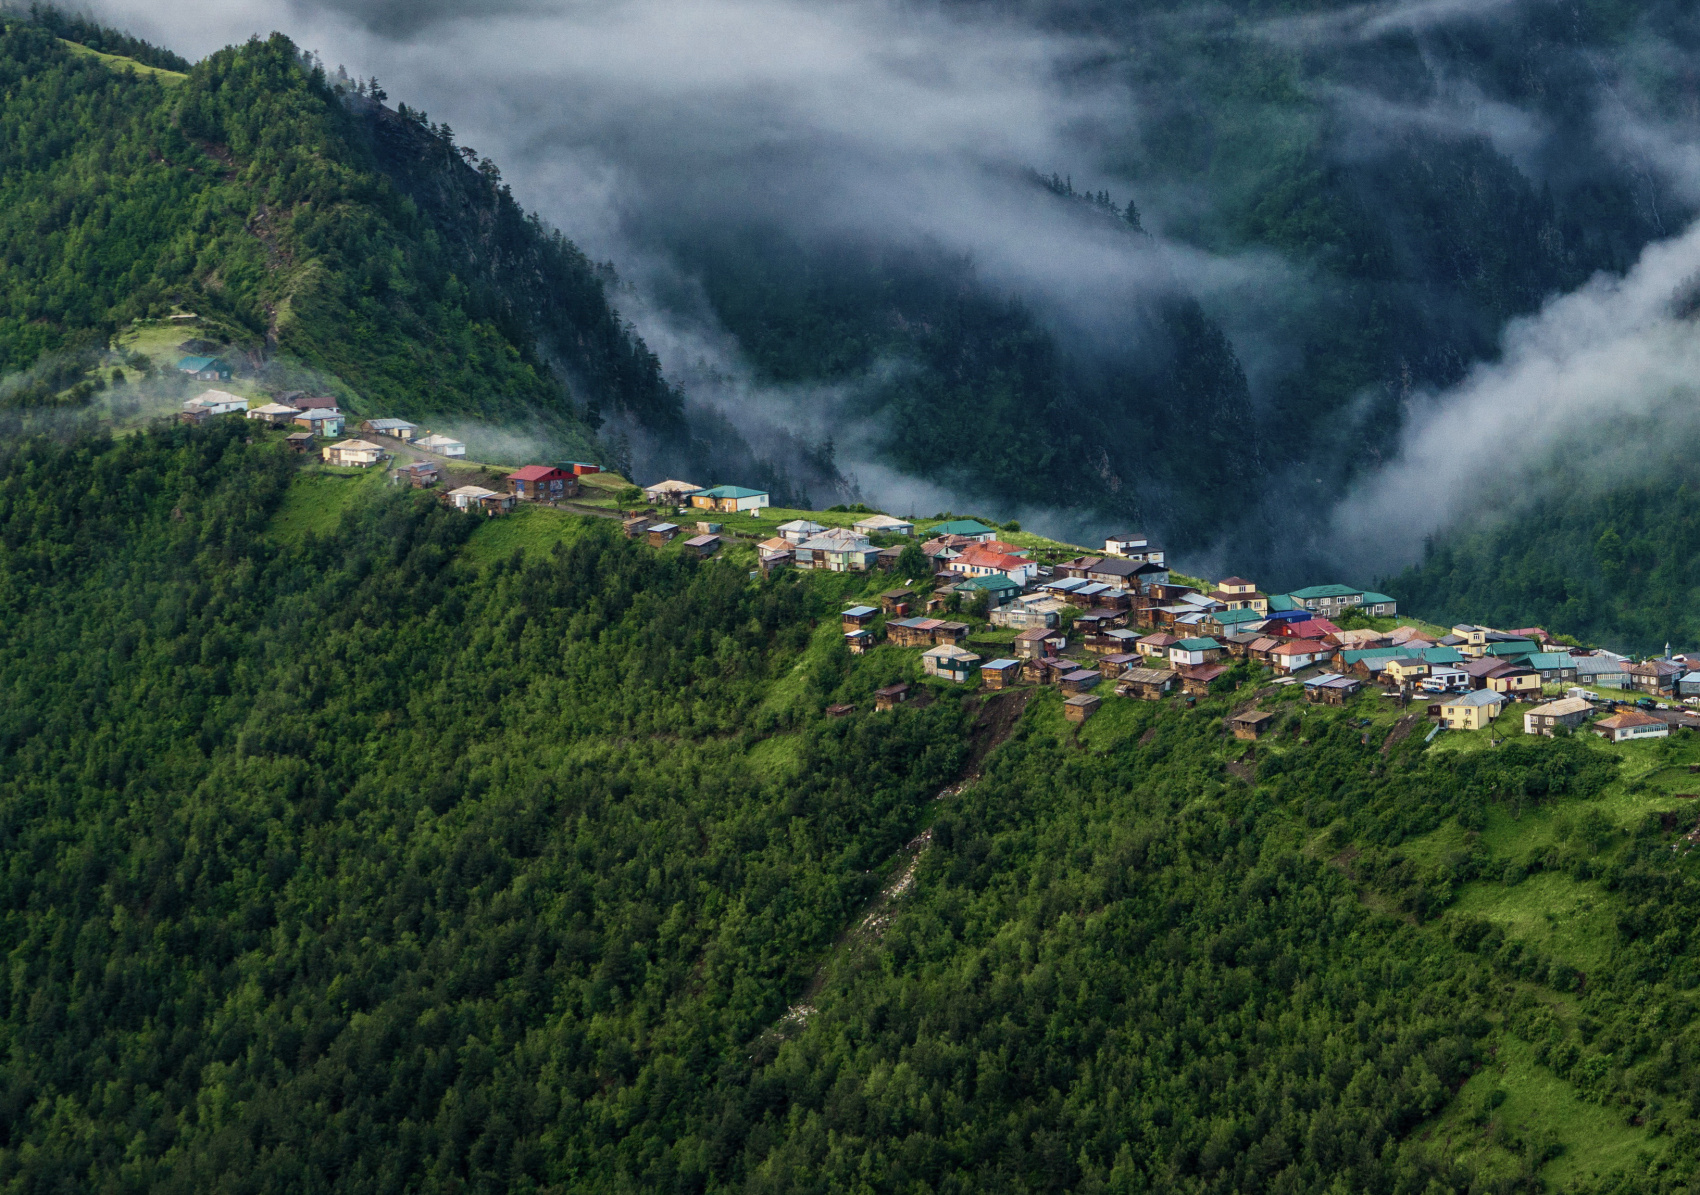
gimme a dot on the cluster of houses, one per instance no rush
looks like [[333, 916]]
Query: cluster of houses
[[316, 418]]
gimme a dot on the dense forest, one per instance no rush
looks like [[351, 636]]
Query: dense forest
[[344, 859]]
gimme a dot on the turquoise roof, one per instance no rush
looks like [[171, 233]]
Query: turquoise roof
[[1198, 645], [990, 581], [1280, 603], [962, 527], [1517, 647], [1233, 618], [729, 491], [197, 364], [1325, 591], [1551, 659], [1378, 599]]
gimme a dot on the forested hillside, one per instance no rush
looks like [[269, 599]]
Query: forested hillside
[[351, 862], [1620, 567]]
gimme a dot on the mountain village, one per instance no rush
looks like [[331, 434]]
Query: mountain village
[[1115, 623]]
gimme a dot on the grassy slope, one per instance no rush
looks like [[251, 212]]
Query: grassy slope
[[120, 63]]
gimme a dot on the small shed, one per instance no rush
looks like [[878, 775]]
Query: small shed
[[703, 545], [635, 526], [840, 710], [421, 475], [890, 697], [299, 441], [950, 632], [661, 534], [1000, 674], [496, 504], [1250, 725], [274, 413], [1080, 680], [1113, 666], [897, 601], [859, 641], [1081, 707]]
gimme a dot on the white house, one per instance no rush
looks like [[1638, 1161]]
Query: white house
[[980, 561], [441, 445], [797, 530], [216, 402], [360, 453], [670, 492], [949, 661], [839, 550], [1136, 548], [273, 412], [883, 524], [1194, 651], [469, 496]]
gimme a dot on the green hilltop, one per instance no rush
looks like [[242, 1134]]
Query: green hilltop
[[357, 843]]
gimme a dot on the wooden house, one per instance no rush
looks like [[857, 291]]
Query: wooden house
[[1147, 684], [1569, 712], [635, 526], [1081, 707], [421, 475], [496, 504], [1000, 673], [1194, 651], [662, 534], [1196, 679], [859, 641], [1657, 677], [857, 617], [1251, 724], [299, 441], [911, 632], [542, 483], [890, 697], [839, 711], [1113, 666], [1046, 670], [1040, 641], [1331, 688], [703, 545], [320, 422], [1080, 681], [1156, 646]]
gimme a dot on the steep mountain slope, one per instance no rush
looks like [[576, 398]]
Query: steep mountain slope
[[343, 237], [346, 862]]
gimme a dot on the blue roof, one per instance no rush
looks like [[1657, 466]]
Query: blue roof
[[860, 611], [1001, 663], [197, 364]]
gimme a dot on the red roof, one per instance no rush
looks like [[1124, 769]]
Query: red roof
[[1312, 628], [978, 557], [536, 473], [1299, 647]]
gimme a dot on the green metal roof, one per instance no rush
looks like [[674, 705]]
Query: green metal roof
[[1280, 603], [1324, 591], [1519, 647], [1551, 659], [1233, 618], [1198, 645], [989, 581], [730, 491], [962, 527], [1378, 599]]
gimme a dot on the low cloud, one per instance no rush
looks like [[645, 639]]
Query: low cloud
[[1592, 391]]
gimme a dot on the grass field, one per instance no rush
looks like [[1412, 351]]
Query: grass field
[[119, 63], [318, 497], [1514, 1111], [530, 528]]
